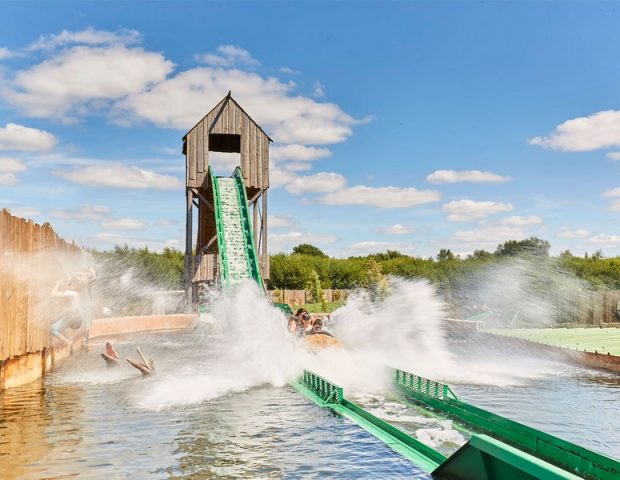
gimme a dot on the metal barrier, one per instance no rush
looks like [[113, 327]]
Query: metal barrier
[[329, 392], [424, 386]]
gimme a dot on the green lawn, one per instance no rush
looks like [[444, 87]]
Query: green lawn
[[318, 308], [601, 340]]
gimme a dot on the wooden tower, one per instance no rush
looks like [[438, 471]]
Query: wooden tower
[[226, 128]]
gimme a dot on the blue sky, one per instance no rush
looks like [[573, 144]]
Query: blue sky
[[408, 126]]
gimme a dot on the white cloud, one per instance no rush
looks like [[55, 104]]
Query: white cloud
[[486, 237], [84, 213], [81, 79], [282, 241], [614, 192], [279, 176], [469, 176], [599, 130], [370, 246], [180, 101], [109, 239], [577, 233], [228, 56], [382, 197], [318, 90], [124, 224], [25, 212], [466, 210], [7, 179], [518, 221], [289, 71], [299, 153], [6, 53], [18, 137], [615, 156], [615, 206], [88, 36], [117, 175], [603, 240], [298, 166], [224, 162], [397, 229], [322, 182], [9, 164], [278, 221], [165, 222]]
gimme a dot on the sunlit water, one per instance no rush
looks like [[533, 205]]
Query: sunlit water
[[87, 421], [220, 405]]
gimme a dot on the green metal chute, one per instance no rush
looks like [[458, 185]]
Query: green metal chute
[[570, 457], [237, 254], [500, 448]]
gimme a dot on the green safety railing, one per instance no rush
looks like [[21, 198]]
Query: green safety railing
[[482, 457], [327, 394], [423, 386], [248, 233], [328, 391], [570, 457], [219, 227]]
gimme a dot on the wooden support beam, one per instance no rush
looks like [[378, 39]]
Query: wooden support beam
[[203, 199], [254, 198], [210, 242], [255, 227], [264, 237], [189, 261]]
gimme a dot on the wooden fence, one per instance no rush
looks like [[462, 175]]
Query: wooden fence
[[27, 267], [300, 297], [587, 307]]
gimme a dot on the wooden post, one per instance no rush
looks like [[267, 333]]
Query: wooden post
[[189, 261], [263, 224], [255, 223]]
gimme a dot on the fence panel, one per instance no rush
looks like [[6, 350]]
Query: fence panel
[[26, 310]]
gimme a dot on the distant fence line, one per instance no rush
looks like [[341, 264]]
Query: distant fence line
[[574, 306], [26, 312], [587, 307], [301, 297]]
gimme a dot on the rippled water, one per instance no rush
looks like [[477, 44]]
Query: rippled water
[[87, 421], [191, 421]]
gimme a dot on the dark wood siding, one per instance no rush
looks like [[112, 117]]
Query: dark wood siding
[[228, 118]]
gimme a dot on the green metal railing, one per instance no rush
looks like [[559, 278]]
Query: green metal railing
[[423, 386], [568, 456], [328, 391], [248, 234], [327, 394], [483, 456]]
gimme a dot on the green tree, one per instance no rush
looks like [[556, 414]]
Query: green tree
[[531, 246], [445, 254], [376, 281], [314, 289], [307, 249]]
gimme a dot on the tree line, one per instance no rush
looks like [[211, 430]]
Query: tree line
[[308, 266]]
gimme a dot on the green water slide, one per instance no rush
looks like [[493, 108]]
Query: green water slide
[[237, 255], [499, 448]]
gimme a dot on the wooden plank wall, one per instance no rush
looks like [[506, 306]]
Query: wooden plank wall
[[228, 118], [298, 297], [25, 316], [587, 307]]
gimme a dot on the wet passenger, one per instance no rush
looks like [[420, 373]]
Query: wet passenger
[[303, 319]]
